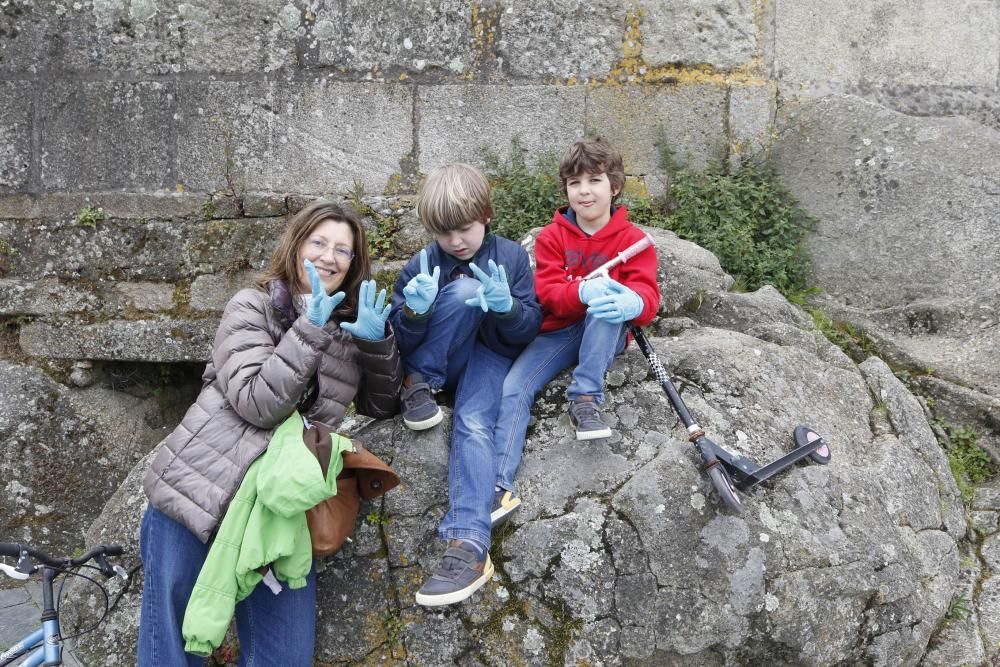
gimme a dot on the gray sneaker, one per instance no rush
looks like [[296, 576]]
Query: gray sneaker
[[505, 503], [586, 418], [459, 576], [420, 410]]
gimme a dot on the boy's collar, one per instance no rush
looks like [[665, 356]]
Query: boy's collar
[[570, 215], [455, 261]]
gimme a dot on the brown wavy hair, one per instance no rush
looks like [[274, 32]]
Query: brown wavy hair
[[285, 259], [593, 156]]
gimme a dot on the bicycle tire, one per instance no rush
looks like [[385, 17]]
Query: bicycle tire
[[724, 487]]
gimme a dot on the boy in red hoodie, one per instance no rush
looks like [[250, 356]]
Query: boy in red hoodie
[[584, 323]]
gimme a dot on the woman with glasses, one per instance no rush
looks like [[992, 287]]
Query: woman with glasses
[[311, 337]]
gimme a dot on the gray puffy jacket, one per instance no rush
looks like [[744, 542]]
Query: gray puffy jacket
[[263, 367]]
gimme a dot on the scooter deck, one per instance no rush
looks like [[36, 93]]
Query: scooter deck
[[746, 474]]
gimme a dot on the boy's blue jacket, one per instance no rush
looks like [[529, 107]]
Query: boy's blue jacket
[[506, 333]]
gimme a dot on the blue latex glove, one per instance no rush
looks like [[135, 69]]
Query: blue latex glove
[[321, 304], [372, 314], [620, 304], [494, 292], [422, 289], [593, 288]]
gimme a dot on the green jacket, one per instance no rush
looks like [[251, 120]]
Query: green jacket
[[264, 525]]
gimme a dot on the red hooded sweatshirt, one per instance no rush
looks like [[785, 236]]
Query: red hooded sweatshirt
[[564, 254]]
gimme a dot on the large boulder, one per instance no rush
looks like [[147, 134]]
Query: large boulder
[[622, 552], [63, 453], [907, 248]]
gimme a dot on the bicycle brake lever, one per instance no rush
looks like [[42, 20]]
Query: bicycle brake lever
[[104, 567], [120, 571], [12, 572]]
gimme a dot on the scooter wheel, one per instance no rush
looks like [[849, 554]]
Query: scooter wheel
[[805, 436], [724, 487]]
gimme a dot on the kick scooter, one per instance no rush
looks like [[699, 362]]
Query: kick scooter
[[728, 472]]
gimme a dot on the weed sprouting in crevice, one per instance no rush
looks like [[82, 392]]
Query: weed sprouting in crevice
[[89, 216], [970, 464]]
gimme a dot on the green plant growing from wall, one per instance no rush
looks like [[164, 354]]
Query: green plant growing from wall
[[378, 518], [89, 216], [7, 255], [958, 609], [523, 196], [744, 215], [970, 464], [208, 210], [386, 226]]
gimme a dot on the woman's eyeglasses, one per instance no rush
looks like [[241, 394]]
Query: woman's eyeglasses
[[318, 247]]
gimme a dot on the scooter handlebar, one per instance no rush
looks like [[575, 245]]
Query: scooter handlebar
[[622, 257]]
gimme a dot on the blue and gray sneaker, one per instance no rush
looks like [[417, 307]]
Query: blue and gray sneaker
[[586, 418], [460, 574], [420, 410], [505, 503]]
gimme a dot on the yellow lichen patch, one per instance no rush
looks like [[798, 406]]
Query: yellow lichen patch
[[483, 27], [632, 44], [394, 184], [484, 24], [759, 23], [403, 76], [181, 302], [635, 186], [633, 70], [759, 15], [409, 580], [373, 629]]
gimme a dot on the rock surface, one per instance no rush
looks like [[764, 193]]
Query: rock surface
[[64, 452], [908, 248], [622, 552]]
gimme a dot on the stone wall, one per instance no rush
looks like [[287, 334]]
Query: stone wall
[[156, 116]]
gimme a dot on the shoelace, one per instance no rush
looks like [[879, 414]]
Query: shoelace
[[585, 411]]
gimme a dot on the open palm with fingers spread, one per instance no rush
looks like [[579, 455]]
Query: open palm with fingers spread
[[494, 293], [372, 314]]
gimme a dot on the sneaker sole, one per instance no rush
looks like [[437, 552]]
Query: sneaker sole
[[430, 422], [458, 596], [502, 513], [593, 435]]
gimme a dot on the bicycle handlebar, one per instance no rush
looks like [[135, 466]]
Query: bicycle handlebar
[[97, 554]]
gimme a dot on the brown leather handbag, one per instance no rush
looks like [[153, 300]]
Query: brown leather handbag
[[364, 475]]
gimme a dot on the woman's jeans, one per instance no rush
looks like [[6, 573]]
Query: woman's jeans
[[591, 344], [273, 629]]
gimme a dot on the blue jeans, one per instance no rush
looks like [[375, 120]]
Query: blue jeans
[[471, 471], [451, 335], [273, 629], [591, 344], [451, 357]]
